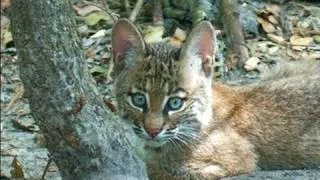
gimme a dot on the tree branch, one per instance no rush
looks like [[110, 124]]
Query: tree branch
[[136, 10], [157, 12]]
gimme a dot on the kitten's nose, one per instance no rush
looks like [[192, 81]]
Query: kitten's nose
[[152, 132]]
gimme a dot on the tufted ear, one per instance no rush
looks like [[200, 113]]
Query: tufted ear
[[198, 52], [127, 44]]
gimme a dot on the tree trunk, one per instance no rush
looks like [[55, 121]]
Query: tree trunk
[[85, 141], [238, 53]]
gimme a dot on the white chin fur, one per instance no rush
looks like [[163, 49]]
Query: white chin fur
[[204, 118], [151, 143]]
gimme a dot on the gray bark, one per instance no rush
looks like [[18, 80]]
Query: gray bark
[[84, 139]]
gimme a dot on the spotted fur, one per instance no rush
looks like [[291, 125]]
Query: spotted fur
[[218, 130]]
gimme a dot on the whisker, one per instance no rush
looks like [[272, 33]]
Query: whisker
[[178, 145], [190, 135], [182, 140]]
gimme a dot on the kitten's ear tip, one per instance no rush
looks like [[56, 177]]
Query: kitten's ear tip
[[125, 38], [205, 23], [124, 20], [122, 23], [205, 26], [125, 30], [200, 48]]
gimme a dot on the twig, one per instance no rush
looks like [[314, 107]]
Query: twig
[[47, 167], [114, 16], [136, 10], [157, 13], [127, 6]]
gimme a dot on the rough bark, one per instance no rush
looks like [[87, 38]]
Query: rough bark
[[82, 137]]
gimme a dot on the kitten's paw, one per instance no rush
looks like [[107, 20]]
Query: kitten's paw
[[213, 170]]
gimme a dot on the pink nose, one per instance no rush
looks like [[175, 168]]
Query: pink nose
[[152, 132]]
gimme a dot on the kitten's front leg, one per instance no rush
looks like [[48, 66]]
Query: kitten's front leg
[[209, 162], [223, 153]]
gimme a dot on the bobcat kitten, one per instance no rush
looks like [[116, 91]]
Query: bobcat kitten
[[189, 127]]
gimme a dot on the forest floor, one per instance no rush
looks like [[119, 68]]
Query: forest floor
[[273, 31]]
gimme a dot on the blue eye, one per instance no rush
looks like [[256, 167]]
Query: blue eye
[[175, 103], [138, 99]]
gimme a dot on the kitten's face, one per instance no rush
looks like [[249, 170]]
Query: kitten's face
[[164, 94]]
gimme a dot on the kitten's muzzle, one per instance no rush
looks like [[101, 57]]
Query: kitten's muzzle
[[153, 132]]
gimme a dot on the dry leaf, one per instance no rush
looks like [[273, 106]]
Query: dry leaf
[[85, 10], [26, 125], [175, 42], [252, 63], [313, 56], [292, 54], [274, 9], [266, 26], [106, 56], [11, 151], [298, 48], [154, 34], [180, 34], [53, 167], [273, 20], [304, 24], [17, 170], [300, 41], [99, 34], [273, 50], [94, 18], [277, 39]]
